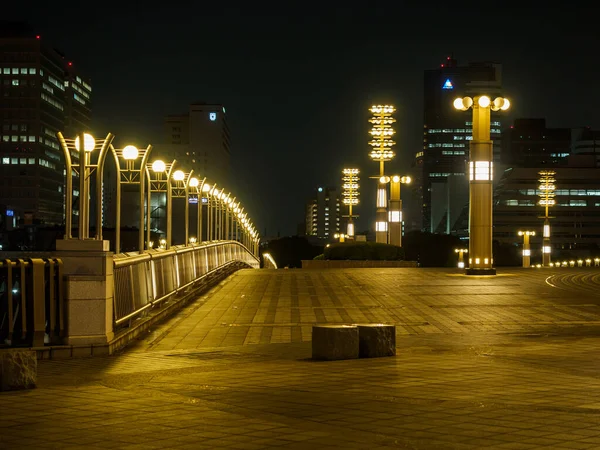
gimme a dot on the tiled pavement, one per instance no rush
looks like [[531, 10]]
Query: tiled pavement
[[502, 362]]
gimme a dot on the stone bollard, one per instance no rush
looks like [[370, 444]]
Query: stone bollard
[[334, 342], [376, 340], [18, 369]]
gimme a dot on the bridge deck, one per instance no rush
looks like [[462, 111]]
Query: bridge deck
[[502, 362]]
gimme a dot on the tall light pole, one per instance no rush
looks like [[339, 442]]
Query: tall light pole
[[526, 248], [547, 188], [382, 143], [461, 261], [83, 145], [129, 174], [350, 195], [179, 188], [159, 179], [395, 214], [481, 169], [192, 182]]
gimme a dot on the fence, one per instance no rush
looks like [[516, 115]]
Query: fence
[[31, 301], [145, 280]]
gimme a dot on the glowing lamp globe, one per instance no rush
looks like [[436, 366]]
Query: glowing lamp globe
[[158, 166], [194, 182], [130, 152], [88, 142], [178, 175]]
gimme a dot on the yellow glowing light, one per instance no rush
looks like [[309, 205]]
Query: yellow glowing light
[[406, 180], [458, 103], [384, 179], [194, 182], [88, 142], [130, 152], [484, 101], [179, 175], [396, 179], [206, 187], [506, 105], [158, 166]]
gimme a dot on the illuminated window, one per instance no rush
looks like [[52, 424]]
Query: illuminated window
[[212, 116], [395, 216], [15, 82], [381, 198], [380, 226], [5, 160]]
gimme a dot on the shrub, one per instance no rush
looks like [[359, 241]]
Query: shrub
[[321, 256], [364, 251]]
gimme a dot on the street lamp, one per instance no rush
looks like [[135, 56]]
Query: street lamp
[[83, 169], [547, 188], [158, 175], [129, 174], [206, 188], [382, 143], [480, 182], [350, 196], [526, 248], [395, 214], [180, 188], [461, 261]]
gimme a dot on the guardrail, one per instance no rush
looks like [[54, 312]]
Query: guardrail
[[145, 280], [31, 301]]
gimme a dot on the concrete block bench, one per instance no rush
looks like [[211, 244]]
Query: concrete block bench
[[18, 369], [334, 342], [376, 340]]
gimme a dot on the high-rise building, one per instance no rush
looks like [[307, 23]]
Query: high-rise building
[[529, 143], [198, 140], [441, 185], [40, 93], [323, 214]]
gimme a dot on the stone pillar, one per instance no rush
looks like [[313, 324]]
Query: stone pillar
[[89, 290]]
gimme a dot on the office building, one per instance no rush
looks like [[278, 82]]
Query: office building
[[530, 143], [575, 218], [199, 140], [440, 183], [323, 214], [41, 93]]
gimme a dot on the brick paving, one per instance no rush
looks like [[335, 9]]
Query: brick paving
[[483, 362]]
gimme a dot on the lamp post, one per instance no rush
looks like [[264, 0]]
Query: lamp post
[[179, 188], [350, 196], [84, 170], [192, 182], [480, 182], [129, 174], [206, 188], [159, 179], [526, 248], [547, 188], [461, 261], [395, 214], [382, 143]]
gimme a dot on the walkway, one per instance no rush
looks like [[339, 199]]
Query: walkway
[[504, 362]]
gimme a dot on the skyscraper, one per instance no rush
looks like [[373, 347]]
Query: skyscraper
[[323, 214], [40, 93], [199, 140], [441, 185]]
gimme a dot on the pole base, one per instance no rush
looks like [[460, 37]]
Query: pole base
[[474, 271]]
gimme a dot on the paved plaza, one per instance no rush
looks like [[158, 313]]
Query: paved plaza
[[506, 362]]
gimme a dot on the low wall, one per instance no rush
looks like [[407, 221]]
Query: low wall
[[350, 264]]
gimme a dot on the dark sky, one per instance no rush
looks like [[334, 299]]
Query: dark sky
[[297, 81]]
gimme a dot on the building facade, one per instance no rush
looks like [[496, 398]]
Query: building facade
[[199, 140], [439, 169], [323, 214], [575, 218], [40, 94], [530, 143]]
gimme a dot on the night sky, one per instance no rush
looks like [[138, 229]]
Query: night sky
[[297, 81]]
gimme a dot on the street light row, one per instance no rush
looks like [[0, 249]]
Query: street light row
[[226, 215]]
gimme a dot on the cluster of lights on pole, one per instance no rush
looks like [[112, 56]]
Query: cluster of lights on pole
[[547, 192], [350, 195], [382, 133], [499, 103]]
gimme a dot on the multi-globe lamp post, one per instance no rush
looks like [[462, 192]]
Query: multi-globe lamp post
[[547, 188], [461, 260], [382, 143], [350, 195], [526, 247], [158, 175], [481, 169]]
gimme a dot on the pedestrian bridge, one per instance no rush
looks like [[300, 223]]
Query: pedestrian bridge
[[83, 299]]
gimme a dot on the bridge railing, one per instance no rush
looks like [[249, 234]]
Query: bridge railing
[[142, 281]]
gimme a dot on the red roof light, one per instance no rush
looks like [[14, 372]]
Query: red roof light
[[70, 63], [37, 36]]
